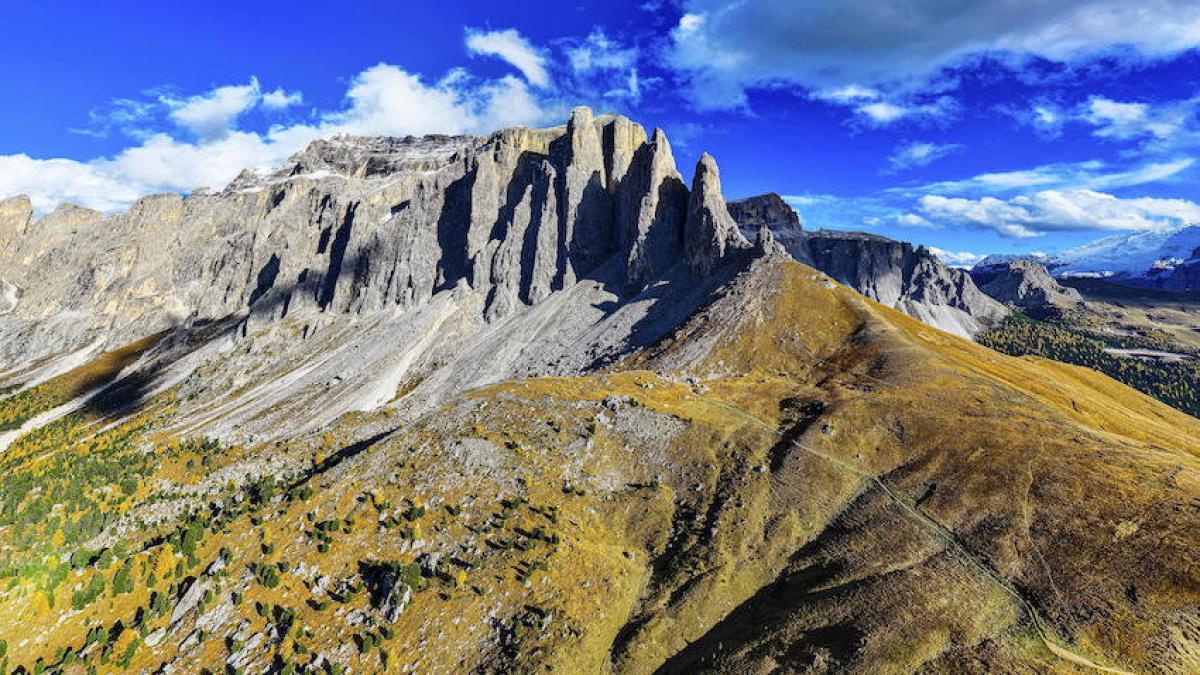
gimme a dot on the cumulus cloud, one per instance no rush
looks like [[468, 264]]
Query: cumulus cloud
[[211, 115], [279, 99], [383, 99], [512, 47], [1059, 210], [917, 154], [723, 48]]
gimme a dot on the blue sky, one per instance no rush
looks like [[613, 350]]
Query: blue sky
[[969, 127]]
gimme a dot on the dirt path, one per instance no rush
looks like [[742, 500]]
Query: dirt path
[[940, 531]]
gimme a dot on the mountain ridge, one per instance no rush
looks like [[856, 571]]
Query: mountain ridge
[[895, 273]]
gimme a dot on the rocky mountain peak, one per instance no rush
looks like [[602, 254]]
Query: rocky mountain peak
[[1026, 284], [766, 209], [709, 232], [651, 209]]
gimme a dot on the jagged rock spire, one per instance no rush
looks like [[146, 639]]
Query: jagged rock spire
[[765, 243], [652, 207], [709, 232]]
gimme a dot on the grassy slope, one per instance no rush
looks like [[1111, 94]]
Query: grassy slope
[[799, 478]]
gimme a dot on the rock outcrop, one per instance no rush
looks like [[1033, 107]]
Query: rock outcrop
[[770, 211], [651, 202], [356, 225], [709, 232], [1026, 284], [909, 279]]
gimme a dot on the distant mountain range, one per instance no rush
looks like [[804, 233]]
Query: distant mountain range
[[1167, 259]]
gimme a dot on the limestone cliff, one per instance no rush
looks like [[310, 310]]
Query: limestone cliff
[[356, 225]]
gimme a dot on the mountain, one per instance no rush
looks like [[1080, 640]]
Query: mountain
[[1164, 259], [530, 402], [995, 264], [464, 246], [1025, 284], [891, 272], [1130, 255]]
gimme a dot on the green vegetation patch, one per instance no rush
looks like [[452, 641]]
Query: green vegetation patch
[[1176, 383]]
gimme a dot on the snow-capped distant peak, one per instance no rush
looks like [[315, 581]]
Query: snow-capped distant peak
[[1132, 254]]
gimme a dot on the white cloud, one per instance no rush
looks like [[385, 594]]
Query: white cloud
[[1160, 126], [721, 49], [1046, 117], [964, 259], [876, 110], [512, 47], [1093, 174], [844, 213], [916, 154], [913, 220], [123, 114], [849, 94], [1059, 210], [279, 99], [49, 182], [211, 115], [600, 52], [605, 66], [1125, 121], [883, 112], [383, 99]]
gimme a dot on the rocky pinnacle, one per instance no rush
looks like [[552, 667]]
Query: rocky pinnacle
[[709, 232]]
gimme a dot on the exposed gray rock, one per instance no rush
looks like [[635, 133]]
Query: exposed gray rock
[[709, 232], [1026, 284], [765, 244], [355, 225], [365, 267], [15, 215], [770, 211], [651, 210]]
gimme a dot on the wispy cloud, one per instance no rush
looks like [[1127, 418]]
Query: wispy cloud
[[1155, 126], [1092, 174], [512, 47], [604, 66], [875, 109], [211, 115], [917, 154]]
